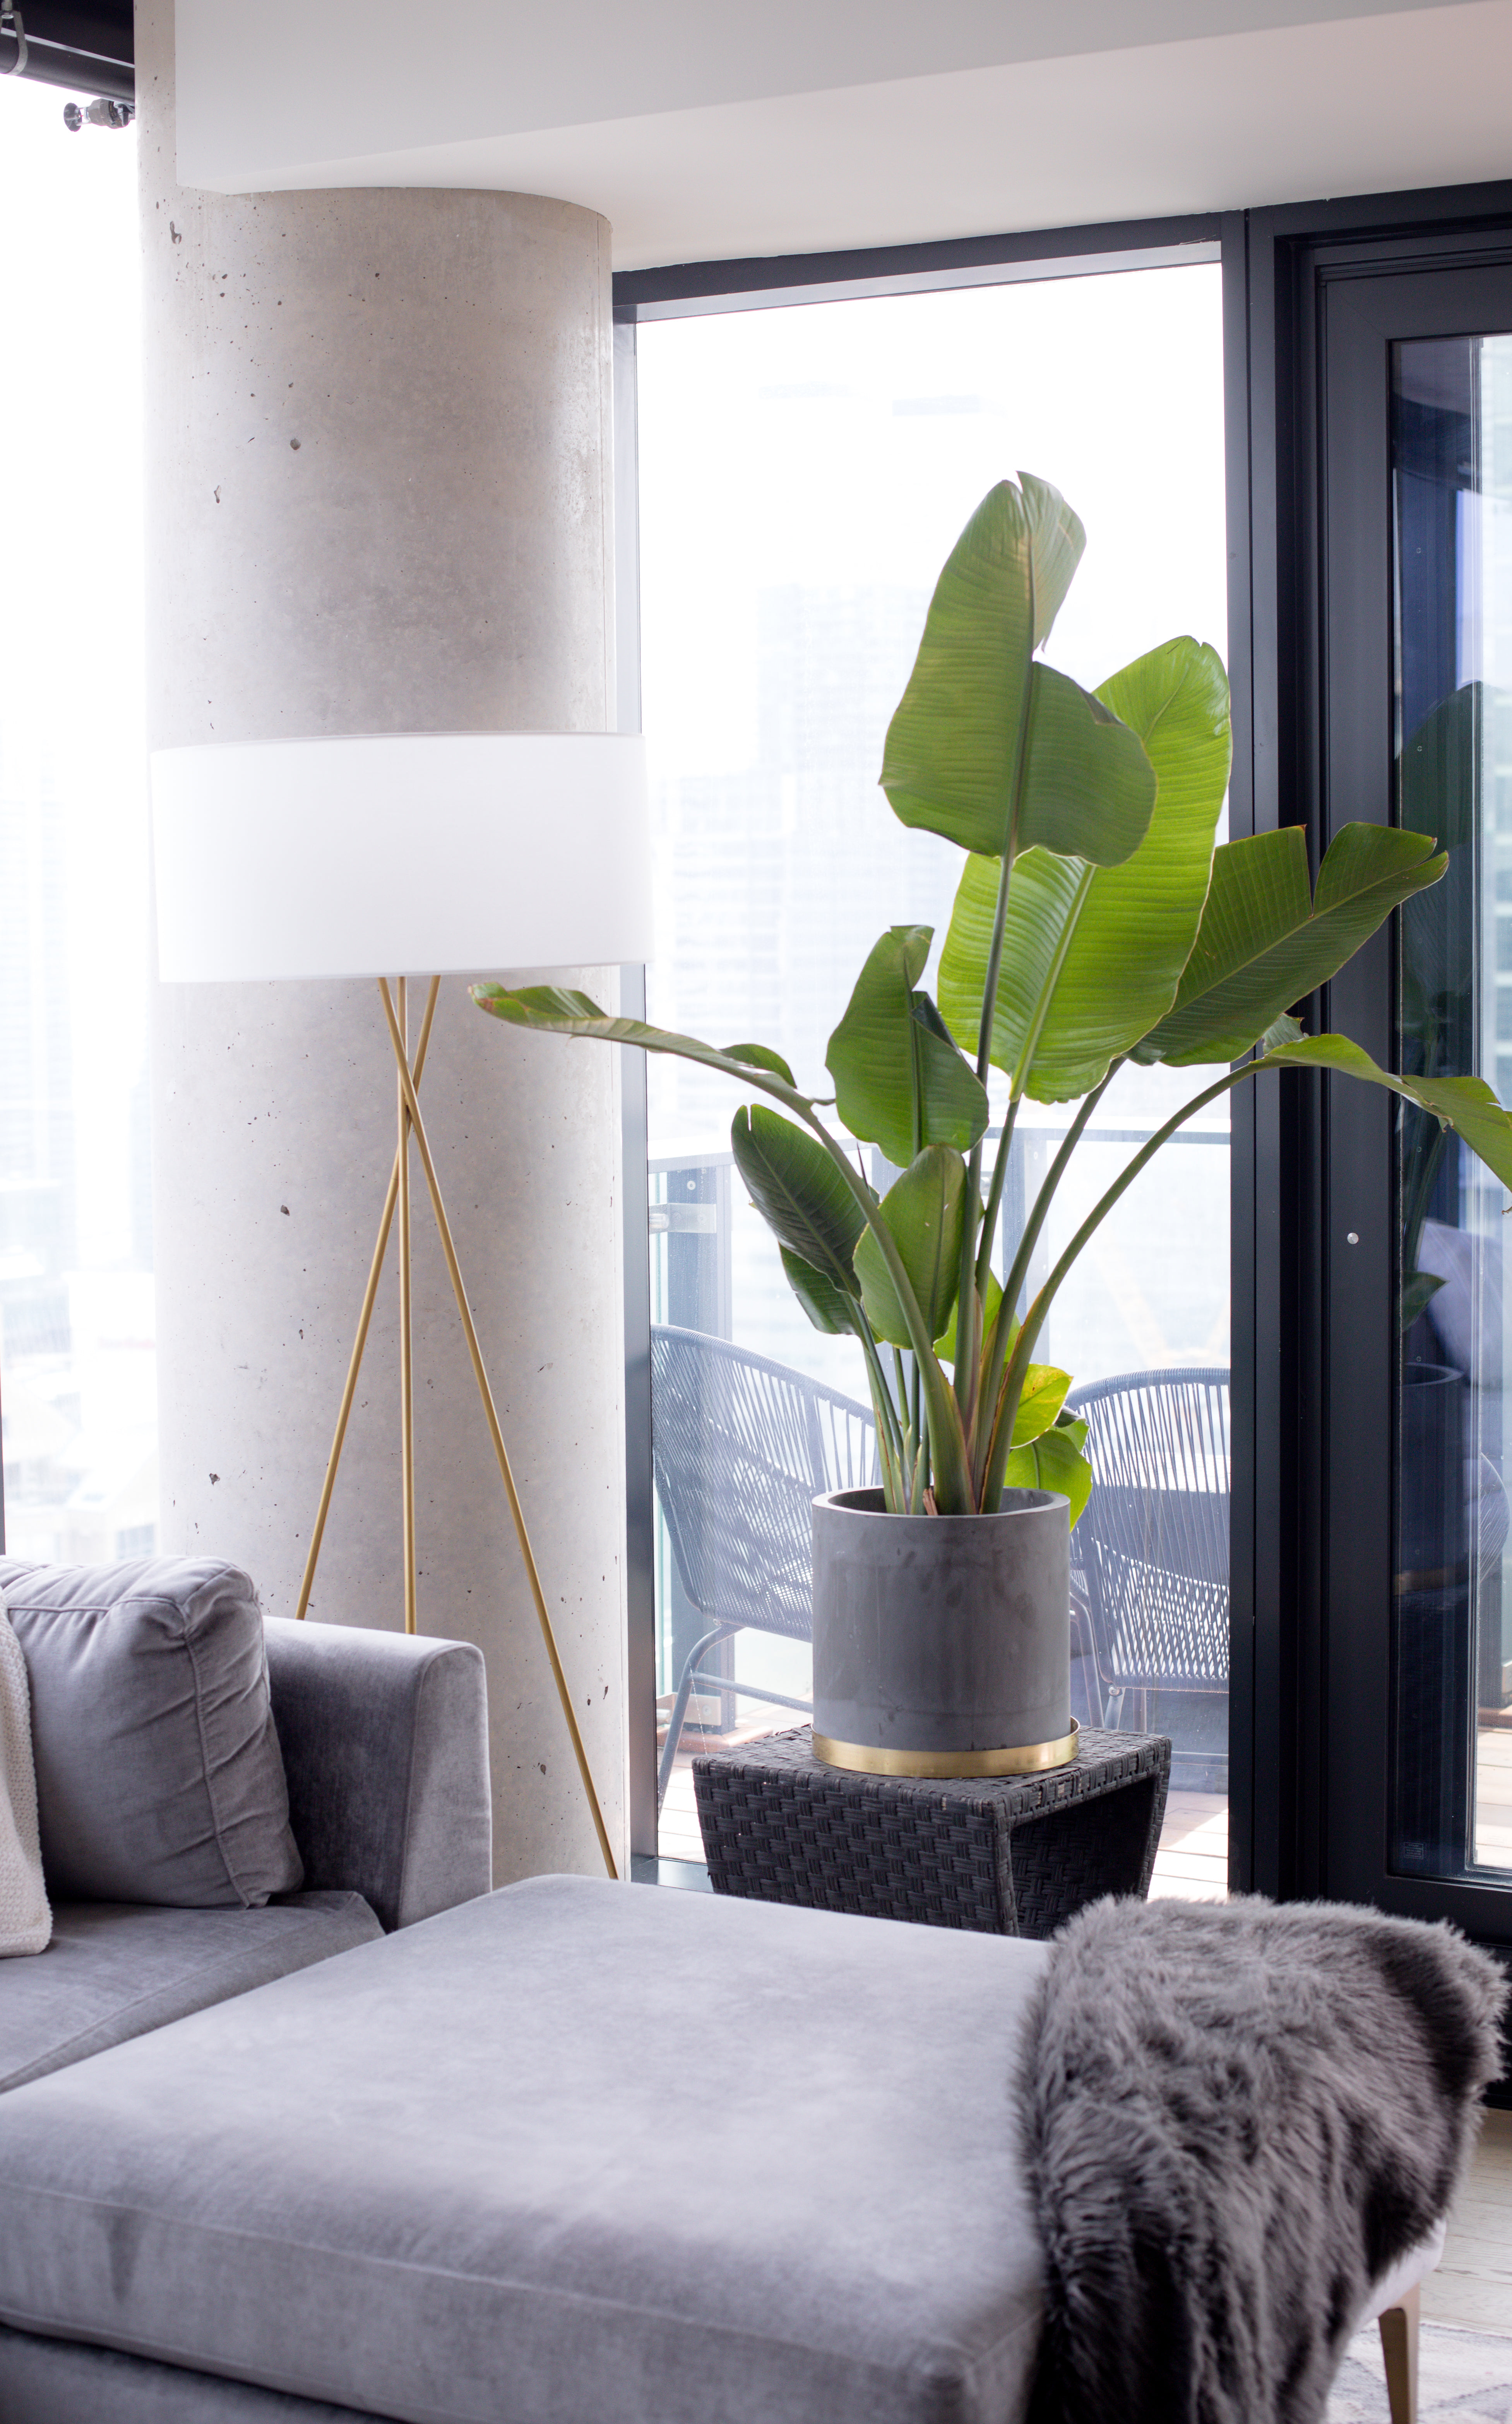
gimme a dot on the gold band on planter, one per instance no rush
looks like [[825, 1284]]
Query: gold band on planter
[[1023, 1758]]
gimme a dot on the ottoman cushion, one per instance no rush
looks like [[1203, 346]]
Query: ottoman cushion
[[572, 2152], [115, 1969]]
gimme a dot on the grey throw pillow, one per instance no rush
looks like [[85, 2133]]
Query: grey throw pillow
[[159, 1777]]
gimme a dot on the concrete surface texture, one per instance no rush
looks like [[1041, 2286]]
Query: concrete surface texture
[[378, 501]]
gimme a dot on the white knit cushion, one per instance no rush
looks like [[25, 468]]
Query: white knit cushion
[[25, 1920]]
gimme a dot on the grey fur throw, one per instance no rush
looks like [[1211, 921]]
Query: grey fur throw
[[1238, 2114]]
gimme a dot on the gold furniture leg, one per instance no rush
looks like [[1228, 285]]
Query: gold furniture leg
[[1399, 2347], [364, 1322], [407, 1378], [490, 1415]]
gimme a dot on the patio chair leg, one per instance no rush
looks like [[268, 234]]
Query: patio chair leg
[[679, 1707], [1399, 2347]]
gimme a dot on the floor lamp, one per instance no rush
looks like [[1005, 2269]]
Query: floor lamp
[[362, 856]]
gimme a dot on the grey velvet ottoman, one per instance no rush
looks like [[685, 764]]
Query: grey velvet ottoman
[[572, 2154]]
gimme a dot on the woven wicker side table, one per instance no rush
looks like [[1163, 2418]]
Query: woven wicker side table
[[1014, 1856]]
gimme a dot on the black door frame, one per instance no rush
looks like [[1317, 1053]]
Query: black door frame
[[1311, 1494]]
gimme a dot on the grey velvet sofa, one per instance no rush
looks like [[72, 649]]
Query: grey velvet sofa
[[384, 1756]]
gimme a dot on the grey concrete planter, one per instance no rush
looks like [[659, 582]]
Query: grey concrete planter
[[942, 1643]]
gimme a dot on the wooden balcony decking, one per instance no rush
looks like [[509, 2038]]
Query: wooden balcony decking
[[1493, 1793]]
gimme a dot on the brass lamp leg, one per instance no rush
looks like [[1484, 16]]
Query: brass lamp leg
[[407, 1377], [364, 1322], [490, 1415], [1399, 2347]]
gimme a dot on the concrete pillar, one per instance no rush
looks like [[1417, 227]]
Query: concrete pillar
[[380, 500]]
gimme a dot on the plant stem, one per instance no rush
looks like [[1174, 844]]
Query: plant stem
[[889, 1444], [1023, 1253], [1034, 1319], [968, 1323], [969, 1290], [995, 1199], [953, 1487], [993, 1411]]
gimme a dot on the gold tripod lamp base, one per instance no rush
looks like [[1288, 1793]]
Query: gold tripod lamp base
[[411, 1127]]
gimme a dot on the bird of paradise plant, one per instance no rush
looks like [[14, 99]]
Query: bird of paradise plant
[[1095, 924]]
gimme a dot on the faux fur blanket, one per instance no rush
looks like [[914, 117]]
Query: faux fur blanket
[[1238, 2116]]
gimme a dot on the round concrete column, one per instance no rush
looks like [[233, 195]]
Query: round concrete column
[[378, 501]]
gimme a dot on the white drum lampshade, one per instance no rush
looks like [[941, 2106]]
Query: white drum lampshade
[[368, 855]]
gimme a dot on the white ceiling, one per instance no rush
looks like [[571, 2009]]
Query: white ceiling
[[704, 132]]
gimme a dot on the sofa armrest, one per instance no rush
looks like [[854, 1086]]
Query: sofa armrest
[[385, 1742]]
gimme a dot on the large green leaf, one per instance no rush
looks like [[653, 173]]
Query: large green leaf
[[760, 1055], [1467, 1105], [1089, 788], [899, 1081], [952, 747], [828, 1306], [558, 1009], [1054, 1462], [1045, 900], [1040, 1402], [799, 1192], [1265, 942], [1093, 957], [923, 1210], [1057, 539], [974, 701]]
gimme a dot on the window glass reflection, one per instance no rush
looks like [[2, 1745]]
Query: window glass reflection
[[1452, 431]]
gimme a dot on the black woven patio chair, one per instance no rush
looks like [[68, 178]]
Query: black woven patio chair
[[1152, 1546], [741, 1449]]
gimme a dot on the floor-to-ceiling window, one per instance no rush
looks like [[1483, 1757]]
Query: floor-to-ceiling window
[[76, 1345], [804, 471]]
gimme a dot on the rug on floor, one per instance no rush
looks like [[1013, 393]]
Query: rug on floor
[[1463, 2375]]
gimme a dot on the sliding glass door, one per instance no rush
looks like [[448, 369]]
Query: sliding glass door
[[1417, 530]]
